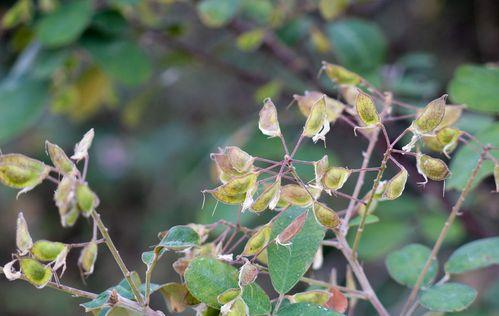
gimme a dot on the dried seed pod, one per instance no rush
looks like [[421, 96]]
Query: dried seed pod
[[81, 148], [338, 302], [496, 176], [21, 172], [59, 158], [228, 295], [87, 200], [320, 168], [257, 241], [47, 251], [432, 168], [35, 272], [23, 238], [452, 115], [288, 233], [349, 93], [326, 216], [317, 297], [366, 110], [239, 160], [268, 198], [334, 108], [10, 273], [394, 188], [247, 274], [240, 185], [268, 122], [296, 195], [317, 124], [335, 178], [340, 75], [87, 259], [431, 116]]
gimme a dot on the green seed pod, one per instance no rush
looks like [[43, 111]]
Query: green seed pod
[[431, 116], [47, 251], [326, 216], [228, 295], [65, 194], [317, 124], [247, 274], [432, 168], [223, 197], [449, 138], [240, 185], [334, 108], [235, 308], [335, 178], [23, 238], [70, 217], [87, 259], [87, 200], [257, 241], [394, 188], [21, 172], [296, 195], [268, 198], [366, 110], [320, 168], [35, 272], [268, 122], [317, 297], [81, 148], [341, 75], [287, 234], [59, 158], [496, 176]]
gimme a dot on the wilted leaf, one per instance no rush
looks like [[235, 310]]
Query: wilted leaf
[[448, 297], [405, 265], [474, 255]]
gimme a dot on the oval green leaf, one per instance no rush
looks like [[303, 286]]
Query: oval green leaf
[[448, 297], [180, 238], [405, 265], [308, 309], [474, 255]]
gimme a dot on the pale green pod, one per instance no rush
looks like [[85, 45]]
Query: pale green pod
[[326, 216], [87, 259], [47, 251], [317, 124], [59, 158], [35, 272], [317, 297], [294, 194], [87, 200], [395, 187], [268, 198], [335, 178], [432, 168], [21, 172], [228, 295], [431, 116], [257, 241], [341, 75], [23, 237], [366, 109]]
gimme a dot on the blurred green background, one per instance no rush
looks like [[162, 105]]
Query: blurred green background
[[166, 82]]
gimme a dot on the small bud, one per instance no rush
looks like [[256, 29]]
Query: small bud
[[340, 75], [59, 158], [21, 172], [87, 200], [247, 274], [228, 295], [326, 216], [47, 251], [268, 198], [394, 188], [317, 297], [335, 178], [320, 168], [23, 238], [35, 272], [257, 241], [81, 149], [496, 176], [432, 168], [235, 308], [366, 110], [288, 233], [87, 259], [431, 116], [317, 124], [268, 123], [296, 195]]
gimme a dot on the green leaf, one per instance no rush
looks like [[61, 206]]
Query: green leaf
[[431, 224], [206, 278], [370, 219], [216, 13], [65, 24], [474, 255], [180, 238], [405, 265], [287, 264], [123, 60], [305, 309], [466, 158], [21, 105], [448, 297], [476, 87], [359, 45], [97, 303]]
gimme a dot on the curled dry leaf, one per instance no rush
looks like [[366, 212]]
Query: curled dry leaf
[[24, 242], [81, 148], [268, 122]]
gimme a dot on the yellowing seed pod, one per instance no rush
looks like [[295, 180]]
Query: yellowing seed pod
[[35, 272], [257, 241], [59, 158], [223, 197], [87, 259], [247, 274], [268, 122], [432, 168], [320, 168], [317, 297], [335, 178], [235, 308], [341, 75], [326, 216], [64, 195], [296, 195], [449, 138], [240, 185], [394, 188], [452, 115], [268, 198], [87, 200], [334, 108], [232, 162], [23, 238], [317, 124], [431, 116], [284, 238], [45, 250], [366, 110], [21, 172], [228, 295]]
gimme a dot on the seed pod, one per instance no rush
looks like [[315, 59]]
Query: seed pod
[[394, 188], [341, 75], [59, 158], [326, 216], [334, 108], [228, 295], [45, 250], [296, 195], [317, 124], [449, 138], [223, 197], [268, 198], [268, 122], [23, 238], [240, 185], [236, 307], [69, 219], [366, 110], [257, 241], [87, 200], [21, 172], [338, 302], [335, 178], [317, 297], [247, 274], [232, 162], [64, 196], [496, 176], [35, 272], [288, 233], [349, 93], [81, 148], [320, 168], [177, 297], [431, 116], [87, 259], [10, 273], [452, 115], [432, 168]]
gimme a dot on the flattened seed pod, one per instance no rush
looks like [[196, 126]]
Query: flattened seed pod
[[21, 172], [432, 168], [431, 116], [268, 198], [35, 272], [335, 178], [268, 122], [326, 216], [366, 110], [396, 185]]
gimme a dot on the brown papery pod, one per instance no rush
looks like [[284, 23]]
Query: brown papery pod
[[340, 75], [268, 122], [247, 274], [431, 116], [285, 237]]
